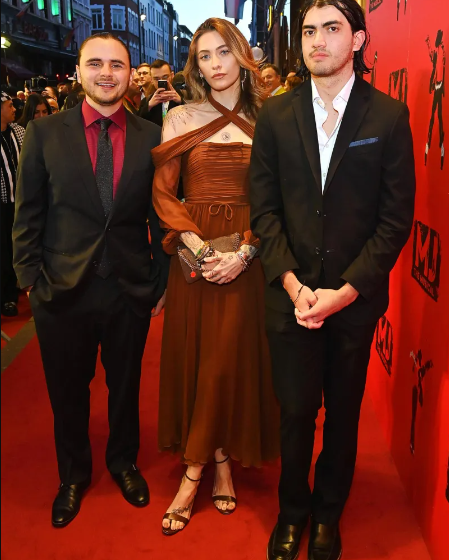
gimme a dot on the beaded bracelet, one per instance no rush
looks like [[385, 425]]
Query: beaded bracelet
[[244, 260], [204, 251], [299, 293]]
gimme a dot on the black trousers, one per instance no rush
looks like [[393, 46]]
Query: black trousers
[[69, 338], [306, 364], [437, 104], [8, 276]]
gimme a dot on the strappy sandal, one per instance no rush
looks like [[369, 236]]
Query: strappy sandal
[[175, 515], [228, 499]]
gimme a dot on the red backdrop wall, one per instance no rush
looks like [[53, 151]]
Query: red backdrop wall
[[409, 370]]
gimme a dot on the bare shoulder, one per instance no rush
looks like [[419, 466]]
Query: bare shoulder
[[177, 121]]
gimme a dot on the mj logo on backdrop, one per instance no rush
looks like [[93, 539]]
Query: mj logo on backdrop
[[427, 259], [398, 85], [384, 343]]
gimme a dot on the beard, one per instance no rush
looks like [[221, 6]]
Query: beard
[[104, 98], [329, 66]]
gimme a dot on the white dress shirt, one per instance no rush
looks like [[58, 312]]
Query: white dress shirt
[[327, 143]]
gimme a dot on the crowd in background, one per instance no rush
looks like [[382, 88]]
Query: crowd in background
[[155, 90]]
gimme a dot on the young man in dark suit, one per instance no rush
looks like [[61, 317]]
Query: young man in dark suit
[[81, 248], [332, 195], [154, 107]]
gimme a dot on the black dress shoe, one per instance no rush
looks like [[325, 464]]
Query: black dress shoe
[[284, 542], [325, 542], [133, 486], [9, 309], [67, 503]]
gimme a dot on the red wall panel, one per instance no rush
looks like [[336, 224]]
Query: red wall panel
[[409, 370]]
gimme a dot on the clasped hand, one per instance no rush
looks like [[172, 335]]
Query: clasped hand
[[327, 302], [161, 96], [222, 268]]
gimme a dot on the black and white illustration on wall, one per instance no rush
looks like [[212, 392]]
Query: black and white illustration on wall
[[374, 71], [437, 82], [398, 85], [422, 368], [384, 343], [447, 487], [426, 267], [374, 4], [399, 7]]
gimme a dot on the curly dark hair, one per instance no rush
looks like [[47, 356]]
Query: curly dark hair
[[355, 15]]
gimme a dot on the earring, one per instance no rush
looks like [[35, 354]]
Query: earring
[[244, 79], [202, 78]]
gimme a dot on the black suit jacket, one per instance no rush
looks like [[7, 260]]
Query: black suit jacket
[[155, 113], [60, 228], [357, 227]]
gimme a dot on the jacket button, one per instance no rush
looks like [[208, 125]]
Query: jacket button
[[317, 250], [318, 213]]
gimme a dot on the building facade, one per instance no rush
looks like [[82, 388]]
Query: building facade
[[122, 20], [82, 21], [185, 38], [41, 37]]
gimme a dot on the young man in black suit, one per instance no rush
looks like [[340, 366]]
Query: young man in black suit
[[332, 195], [81, 248], [154, 107]]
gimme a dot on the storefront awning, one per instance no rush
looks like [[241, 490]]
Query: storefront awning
[[16, 69], [48, 51]]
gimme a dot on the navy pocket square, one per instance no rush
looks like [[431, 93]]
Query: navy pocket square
[[363, 142]]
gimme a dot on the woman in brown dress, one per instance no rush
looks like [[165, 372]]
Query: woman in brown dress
[[216, 396]]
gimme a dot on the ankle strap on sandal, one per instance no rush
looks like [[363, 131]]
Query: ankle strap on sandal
[[192, 479], [220, 462]]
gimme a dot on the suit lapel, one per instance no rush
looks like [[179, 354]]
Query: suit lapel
[[76, 139], [130, 160], [303, 108], [355, 111]]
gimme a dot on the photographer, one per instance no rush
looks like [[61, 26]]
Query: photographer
[[155, 107]]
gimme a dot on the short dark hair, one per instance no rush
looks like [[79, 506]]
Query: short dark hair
[[273, 67], [355, 15], [103, 35], [159, 63]]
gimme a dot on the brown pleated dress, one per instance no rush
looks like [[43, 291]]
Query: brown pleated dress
[[215, 379]]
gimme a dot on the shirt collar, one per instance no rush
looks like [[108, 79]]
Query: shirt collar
[[344, 93], [91, 115], [276, 90]]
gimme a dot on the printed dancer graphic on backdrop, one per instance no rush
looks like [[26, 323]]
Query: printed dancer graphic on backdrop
[[438, 58], [399, 6], [417, 392]]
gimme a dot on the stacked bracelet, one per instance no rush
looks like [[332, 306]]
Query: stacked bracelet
[[299, 293], [244, 259], [204, 251]]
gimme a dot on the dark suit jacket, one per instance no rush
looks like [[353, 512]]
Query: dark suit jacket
[[155, 113], [358, 226], [60, 228]]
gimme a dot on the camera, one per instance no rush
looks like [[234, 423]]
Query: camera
[[38, 84], [162, 84]]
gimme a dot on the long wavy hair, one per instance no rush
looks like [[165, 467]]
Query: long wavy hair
[[355, 15], [253, 91], [31, 105]]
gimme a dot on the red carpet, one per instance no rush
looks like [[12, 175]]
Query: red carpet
[[12, 325], [378, 523]]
